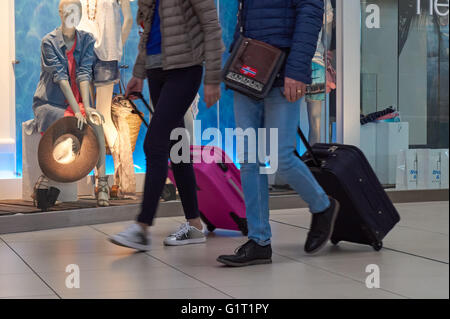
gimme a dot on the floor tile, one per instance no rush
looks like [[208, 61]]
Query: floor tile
[[433, 217], [400, 273], [16, 285], [414, 263], [68, 247], [433, 244], [119, 262], [102, 281], [323, 290], [84, 232], [418, 242], [34, 297], [283, 279], [10, 263], [177, 293]]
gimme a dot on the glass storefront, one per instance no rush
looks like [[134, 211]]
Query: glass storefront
[[404, 66], [31, 28]]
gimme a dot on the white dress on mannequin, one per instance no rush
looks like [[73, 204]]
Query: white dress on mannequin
[[103, 20]]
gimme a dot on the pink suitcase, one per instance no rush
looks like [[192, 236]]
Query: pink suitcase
[[220, 197]]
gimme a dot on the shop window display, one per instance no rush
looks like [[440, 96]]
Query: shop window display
[[115, 50], [31, 28], [404, 65]]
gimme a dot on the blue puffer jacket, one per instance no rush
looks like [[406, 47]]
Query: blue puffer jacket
[[293, 25]]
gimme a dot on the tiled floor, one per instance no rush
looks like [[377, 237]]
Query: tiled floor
[[413, 264]]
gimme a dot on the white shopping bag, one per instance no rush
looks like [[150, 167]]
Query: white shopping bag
[[400, 177], [429, 169], [411, 169], [391, 138]]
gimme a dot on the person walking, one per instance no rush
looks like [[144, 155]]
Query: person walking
[[178, 38], [293, 26]]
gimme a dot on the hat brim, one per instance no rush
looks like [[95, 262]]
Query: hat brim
[[85, 160]]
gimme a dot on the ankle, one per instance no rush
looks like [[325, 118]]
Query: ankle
[[144, 228], [195, 223]]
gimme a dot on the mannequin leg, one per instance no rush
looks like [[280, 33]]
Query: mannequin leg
[[314, 118], [103, 103], [103, 194]]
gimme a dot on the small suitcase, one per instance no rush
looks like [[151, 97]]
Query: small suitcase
[[220, 196], [367, 213]]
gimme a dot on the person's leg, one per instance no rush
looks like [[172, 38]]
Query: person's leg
[[191, 231], [136, 236], [171, 92], [186, 183], [249, 115], [284, 116], [177, 92]]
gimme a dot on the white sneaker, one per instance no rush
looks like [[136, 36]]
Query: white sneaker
[[185, 235], [132, 237]]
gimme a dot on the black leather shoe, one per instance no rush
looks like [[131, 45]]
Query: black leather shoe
[[322, 227], [249, 254]]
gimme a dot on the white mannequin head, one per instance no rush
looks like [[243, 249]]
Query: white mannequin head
[[70, 13]]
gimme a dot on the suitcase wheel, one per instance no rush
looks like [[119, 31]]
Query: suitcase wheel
[[377, 246], [334, 241], [208, 224]]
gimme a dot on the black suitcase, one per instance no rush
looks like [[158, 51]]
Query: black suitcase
[[367, 214]]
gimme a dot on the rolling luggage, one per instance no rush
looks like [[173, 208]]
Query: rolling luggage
[[367, 213], [220, 197]]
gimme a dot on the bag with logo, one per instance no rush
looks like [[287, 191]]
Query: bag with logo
[[253, 67]]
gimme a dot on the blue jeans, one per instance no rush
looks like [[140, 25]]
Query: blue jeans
[[273, 112]]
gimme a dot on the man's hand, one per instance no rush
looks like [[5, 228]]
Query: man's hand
[[294, 90], [81, 120], [135, 85], [212, 94]]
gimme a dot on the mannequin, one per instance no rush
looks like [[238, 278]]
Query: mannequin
[[102, 19], [49, 104]]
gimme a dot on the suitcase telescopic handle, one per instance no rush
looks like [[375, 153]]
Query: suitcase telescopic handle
[[308, 147], [136, 111], [140, 96]]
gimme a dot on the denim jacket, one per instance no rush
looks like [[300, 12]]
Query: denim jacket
[[55, 68]]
